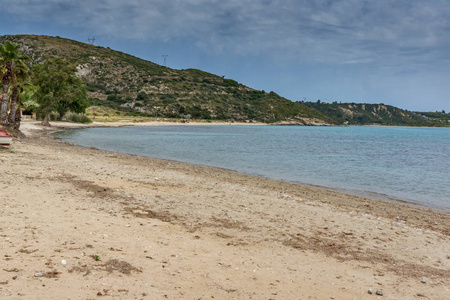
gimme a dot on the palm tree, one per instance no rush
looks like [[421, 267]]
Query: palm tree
[[19, 74], [25, 100], [10, 63], [7, 53]]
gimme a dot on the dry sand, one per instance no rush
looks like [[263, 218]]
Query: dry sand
[[80, 223]]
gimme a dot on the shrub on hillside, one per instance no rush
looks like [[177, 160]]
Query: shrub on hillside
[[78, 118]]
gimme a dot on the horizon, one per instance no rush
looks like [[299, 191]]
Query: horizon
[[394, 52]]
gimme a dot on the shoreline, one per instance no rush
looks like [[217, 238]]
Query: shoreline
[[363, 193], [169, 230]]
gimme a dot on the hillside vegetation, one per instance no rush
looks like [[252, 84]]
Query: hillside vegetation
[[377, 114], [435, 115], [135, 87], [125, 82]]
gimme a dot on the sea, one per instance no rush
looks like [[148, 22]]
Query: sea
[[398, 163]]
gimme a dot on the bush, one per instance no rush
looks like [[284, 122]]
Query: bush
[[78, 118], [230, 82], [112, 97], [142, 96]]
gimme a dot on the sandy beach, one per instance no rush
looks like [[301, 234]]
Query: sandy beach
[[80, 223]]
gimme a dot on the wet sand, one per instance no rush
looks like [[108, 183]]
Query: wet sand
[[80, 223]]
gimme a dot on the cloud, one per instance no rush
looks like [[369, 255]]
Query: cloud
[[348, 32]]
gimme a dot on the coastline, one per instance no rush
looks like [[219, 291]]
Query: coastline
[[173, 230], [61, 126], [374, 192]]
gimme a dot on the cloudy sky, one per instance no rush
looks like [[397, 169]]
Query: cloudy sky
[[373, 51]]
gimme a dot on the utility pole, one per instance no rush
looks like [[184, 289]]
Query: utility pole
[[165, 57], [91, 40]]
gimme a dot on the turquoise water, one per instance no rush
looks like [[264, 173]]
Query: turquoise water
[[410, 164]]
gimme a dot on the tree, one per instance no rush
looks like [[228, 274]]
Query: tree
[[76, 101], [59, 89], [19, 76], [26, 101], [8, 52], [142, 96], [13, 73]]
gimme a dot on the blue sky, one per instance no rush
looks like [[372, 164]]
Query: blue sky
[[385, 51]]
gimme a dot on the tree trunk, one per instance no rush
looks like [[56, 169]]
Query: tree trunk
[[17, 120], [13, 107], [4, 103], [45, 121]]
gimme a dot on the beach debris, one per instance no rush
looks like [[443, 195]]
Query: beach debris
[[423, 280], [421, 295], [379, 292], [63, 262], [402, 218], [370, 291], [38, 274], [11, 270]]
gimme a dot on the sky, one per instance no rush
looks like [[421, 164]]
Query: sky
[[395, 52]]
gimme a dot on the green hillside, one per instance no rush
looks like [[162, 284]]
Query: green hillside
[[377, 114], [435, 115], [120, 81], [128, 83]]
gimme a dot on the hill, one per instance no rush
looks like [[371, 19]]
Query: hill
[[435, 115], [125, 82], [377, 114]]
